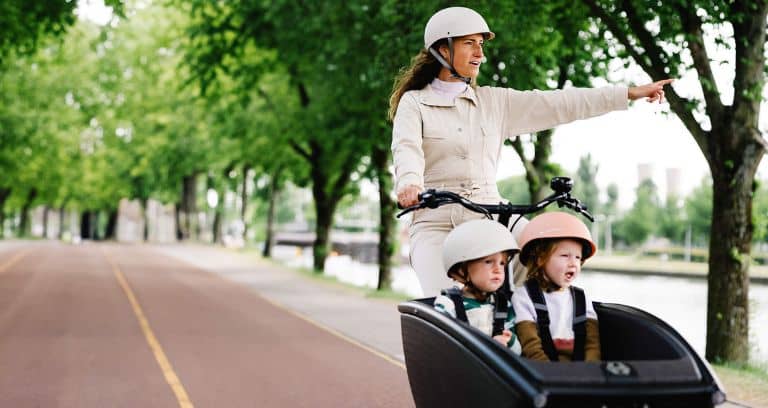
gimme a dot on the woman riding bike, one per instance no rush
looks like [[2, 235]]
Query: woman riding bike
[[448, 132]]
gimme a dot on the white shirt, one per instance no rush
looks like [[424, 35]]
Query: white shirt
[[449, 90], [560, 307]]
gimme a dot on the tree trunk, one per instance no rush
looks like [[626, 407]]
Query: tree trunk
[[111, 228], [62, 214], [218, 216], [324, 208], [244, 201], [4, 194], [180, 236], [187, 209], [274, 190], [45, 221], [87, 225], [733, 174], [538, 170], [145, 218], [380, 161], [24, 227]]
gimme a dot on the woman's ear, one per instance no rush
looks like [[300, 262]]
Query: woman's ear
[[445, 52]]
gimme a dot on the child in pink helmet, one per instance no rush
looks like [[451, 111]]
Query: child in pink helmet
[[555, 321]]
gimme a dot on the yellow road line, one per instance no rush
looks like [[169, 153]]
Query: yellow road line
[[13, 260], [170, 375]]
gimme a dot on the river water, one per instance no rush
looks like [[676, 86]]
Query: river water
[[680, 302]]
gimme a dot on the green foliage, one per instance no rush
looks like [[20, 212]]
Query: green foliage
[[760, 213], [611, 205], [514, 190], [25, 24], [672, 220], [584, 184], [698, 207], [641, 221]]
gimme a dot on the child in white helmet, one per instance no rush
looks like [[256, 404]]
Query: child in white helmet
[[475, 255], [555, 321]]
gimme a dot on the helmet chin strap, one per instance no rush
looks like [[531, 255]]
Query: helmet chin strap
[[447, 65]]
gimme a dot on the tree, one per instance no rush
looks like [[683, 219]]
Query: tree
[[667, 40], [641, 221], [611, 205], [324, 138], [514, 189], [585, 185], [25, 24], [672, 222], [698, 209]]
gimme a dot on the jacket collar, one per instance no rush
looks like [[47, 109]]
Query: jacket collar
[[429, 97]]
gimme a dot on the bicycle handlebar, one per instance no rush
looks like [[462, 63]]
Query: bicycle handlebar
[[562, 196]]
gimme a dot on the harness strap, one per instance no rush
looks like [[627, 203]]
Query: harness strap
[[579, 323], [501, 303], [500, 313], [542, 318], [458, 302]]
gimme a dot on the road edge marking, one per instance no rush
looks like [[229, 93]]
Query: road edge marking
[[332, 331], [15, 259], [292, 312], [162, 360]]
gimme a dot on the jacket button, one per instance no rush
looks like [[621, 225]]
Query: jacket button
[[459, 129], [462, 184]]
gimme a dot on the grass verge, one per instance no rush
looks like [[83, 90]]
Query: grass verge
[[386, 294], [744, 384]]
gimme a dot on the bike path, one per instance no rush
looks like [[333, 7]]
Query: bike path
[[67, 335], [71, 337], [374, 323]]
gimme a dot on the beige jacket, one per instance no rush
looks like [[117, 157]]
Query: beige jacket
[[455, 144]]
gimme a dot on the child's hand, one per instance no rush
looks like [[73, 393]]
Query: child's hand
[[504, 337]]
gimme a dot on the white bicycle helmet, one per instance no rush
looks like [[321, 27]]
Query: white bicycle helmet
[[475, 239], [455, 22]]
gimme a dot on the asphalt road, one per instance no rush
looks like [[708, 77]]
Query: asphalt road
[[99, 325]]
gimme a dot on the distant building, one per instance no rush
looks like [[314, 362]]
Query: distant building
[[644, 172], [674, 182]]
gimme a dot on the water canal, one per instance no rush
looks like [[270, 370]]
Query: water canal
[[681, 302]]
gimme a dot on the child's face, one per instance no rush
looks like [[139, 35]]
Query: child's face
[[487, 273], [564, 264]]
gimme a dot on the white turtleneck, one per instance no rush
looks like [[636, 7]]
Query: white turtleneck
[[448, 90]]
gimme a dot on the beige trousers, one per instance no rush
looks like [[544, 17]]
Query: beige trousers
[[428, 230]]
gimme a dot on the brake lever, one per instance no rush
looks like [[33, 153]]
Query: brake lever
[[577, 206], [409, 209]]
